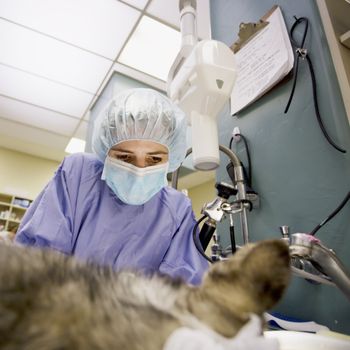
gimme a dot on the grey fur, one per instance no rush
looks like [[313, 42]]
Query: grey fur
[[52, 302]]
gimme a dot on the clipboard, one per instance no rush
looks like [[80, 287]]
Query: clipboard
[[264, 58], [247, 31]]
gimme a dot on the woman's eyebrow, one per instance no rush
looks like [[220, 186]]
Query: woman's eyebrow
[[157, 152], [128, 151], [122, 150]]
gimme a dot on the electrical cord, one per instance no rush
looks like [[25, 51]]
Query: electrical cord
[[332, 215], [302, 53], [249, 179], [232, 239], [197, 242]]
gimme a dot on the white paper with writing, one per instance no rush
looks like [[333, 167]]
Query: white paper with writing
[[262, 62]]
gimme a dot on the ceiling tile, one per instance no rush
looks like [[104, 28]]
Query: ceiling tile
[[81, 132], [19, 145], [140, 4], [42, 92], [33, 135], [39, 54], [35, 116], [87, 116], [100, 26], [152, 48], [168, 11]]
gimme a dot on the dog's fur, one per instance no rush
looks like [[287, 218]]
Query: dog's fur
[[49, 301]]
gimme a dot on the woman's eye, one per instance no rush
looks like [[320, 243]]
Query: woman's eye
[[124, 157], [155, 160]]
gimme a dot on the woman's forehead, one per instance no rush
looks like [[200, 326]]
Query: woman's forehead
[[146, 146]]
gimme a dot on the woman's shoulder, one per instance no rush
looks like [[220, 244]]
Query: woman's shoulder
[[86, 165], [175, 200]]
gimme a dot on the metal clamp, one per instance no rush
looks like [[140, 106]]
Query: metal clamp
[[301, 52]]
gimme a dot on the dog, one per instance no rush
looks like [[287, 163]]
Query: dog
[[51, 301]]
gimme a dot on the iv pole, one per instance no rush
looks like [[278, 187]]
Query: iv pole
[[241, 195]]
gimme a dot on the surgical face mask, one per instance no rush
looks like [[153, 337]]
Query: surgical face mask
[[131, 184]]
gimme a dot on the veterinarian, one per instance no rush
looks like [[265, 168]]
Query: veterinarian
[[114, 207]]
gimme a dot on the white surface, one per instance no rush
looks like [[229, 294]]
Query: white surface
[[42, 92], [40, 55], [81, 130], [201, 87], [235, 133], [168, 11], [137, 3], [75, 145], [152, 48], [307, 326], [345, 39], [45, 119], [202, 338], [258, 69], [290, 340], [80, 22], [31, 135]]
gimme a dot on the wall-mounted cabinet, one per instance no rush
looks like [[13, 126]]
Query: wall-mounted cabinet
[[12, 209], [335, 15]]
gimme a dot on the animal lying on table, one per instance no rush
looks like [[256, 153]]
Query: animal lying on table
[[50, 301]]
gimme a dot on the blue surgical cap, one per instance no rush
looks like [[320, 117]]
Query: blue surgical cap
[[141, 114]]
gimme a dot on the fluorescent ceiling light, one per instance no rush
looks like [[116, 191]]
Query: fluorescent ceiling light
[[42, 92], [52, 59], [152, 48], [34, 116], [75, 145], [100, 26]]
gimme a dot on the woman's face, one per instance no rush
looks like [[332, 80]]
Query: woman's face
[[140, 153]]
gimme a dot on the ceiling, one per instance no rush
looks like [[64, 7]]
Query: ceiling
[[57, 55]]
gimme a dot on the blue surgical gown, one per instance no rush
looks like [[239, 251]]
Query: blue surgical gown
[[78, 214]]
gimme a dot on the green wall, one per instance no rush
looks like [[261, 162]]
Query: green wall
[[299, 176]]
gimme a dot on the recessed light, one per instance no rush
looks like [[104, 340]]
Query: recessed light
[[152, 48], [75, 145]]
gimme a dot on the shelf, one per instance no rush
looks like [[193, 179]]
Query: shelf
[[12, 210], [19, 207], [16, 221], [6, 199]]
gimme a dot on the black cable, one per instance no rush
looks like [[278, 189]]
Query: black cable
[[317, 111], [249, 180], [302, 53], [230, 146], [294, 84], [331, 216], [206, 233], [196, 241], [232, 239]]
